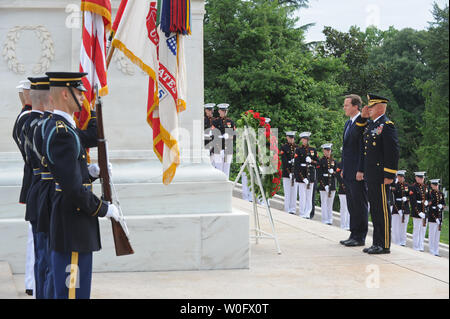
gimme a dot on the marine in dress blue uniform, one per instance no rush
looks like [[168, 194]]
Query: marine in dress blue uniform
[[400, 209], [287, 152], [435, 216], [74, 225], [326, 171], [420, 198], [224, 135], [381, 154]]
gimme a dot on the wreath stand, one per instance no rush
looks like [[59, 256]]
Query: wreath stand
[[253, 169]]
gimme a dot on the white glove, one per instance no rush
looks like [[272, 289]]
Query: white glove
[[440, 206], [400, 212], [422, 215], [113, 212], [331, 171], [404, 198], [94, 170], [110, 169], [327, 188], [308, 159], [438, 221], [426, 203], [305, 180]]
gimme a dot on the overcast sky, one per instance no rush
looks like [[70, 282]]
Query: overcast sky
[[341, 14]]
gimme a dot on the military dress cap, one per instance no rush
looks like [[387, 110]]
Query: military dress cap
[[435, 181], [24, 85], [210, 106], [223, 106], [67, 79], [420, 174], [327, 146], [401, 172], [40, 83], [291, 133], [375, 99], [305, 134]]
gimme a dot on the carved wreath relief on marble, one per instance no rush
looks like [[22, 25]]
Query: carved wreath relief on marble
[[47, 49]]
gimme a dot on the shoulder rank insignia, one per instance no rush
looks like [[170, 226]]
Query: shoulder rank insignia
[[60, 125], [390, 122]]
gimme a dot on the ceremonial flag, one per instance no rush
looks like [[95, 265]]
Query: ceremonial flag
[[96, 22], [160, 53]]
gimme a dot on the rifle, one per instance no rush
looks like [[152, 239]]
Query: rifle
[[119, 229]]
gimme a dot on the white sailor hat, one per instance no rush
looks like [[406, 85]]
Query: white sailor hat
[[420, 174], [327, 146], [435, 181], [305, 134], [24, 85], [291, 133], [401, 172], [267, 119], [210, 105], [223, 106]]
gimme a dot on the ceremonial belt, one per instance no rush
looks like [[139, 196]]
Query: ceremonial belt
[[46, 175], [398, 199], [433, 207], [36, 171], [59, 189], [326, 175], [419, 202], [302, 164]]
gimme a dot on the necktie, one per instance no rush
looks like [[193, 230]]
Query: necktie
[[347, 128]]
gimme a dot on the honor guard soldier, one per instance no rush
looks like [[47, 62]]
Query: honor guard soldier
[[400, 209], [305, 174], [290, 186], [208, 133], [223, 149], [420, 200], [74, 225], [435, 216], [24, 95], [381, 154], [326, 170], [342, 193]]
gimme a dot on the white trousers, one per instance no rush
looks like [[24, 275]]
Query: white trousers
[[222, 162], [246, 193], [395, 229], [326, 206], [29, 264], [403, 227], [345, 215], [433, 238], [305, 199], [419, 234], [290, 195]]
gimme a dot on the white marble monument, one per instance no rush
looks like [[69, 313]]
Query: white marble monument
[[187, 225]]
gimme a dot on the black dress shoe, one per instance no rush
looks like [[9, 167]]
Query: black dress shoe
[[376, 250], [29, 292], [366, 250], [354, 243], [342, 242]]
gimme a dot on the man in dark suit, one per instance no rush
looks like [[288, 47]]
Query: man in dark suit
[[352, 173]]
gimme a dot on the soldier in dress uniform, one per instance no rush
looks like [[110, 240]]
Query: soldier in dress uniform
[[326, 170], [419, 196], [381, 154], [435, 217], [208, 134], [74, 225], [342, 193], [24, 95], [40, 99], [400, 209], [290, 186], [305, 174], [225, 133]]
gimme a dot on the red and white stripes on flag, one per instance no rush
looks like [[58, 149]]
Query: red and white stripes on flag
[[96, 22]]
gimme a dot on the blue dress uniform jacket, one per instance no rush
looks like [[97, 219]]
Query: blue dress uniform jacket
[[33, 162], [419, 193], [434, 212], [17, 129], [74, 222], [381, 152], [287, 153], [324, 176], [224, 125], [302, 169], [400, 190]]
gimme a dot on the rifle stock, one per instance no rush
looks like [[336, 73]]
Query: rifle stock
[[121, 242]]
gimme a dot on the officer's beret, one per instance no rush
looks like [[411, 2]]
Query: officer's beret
[[375, 99], [66, 79]]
